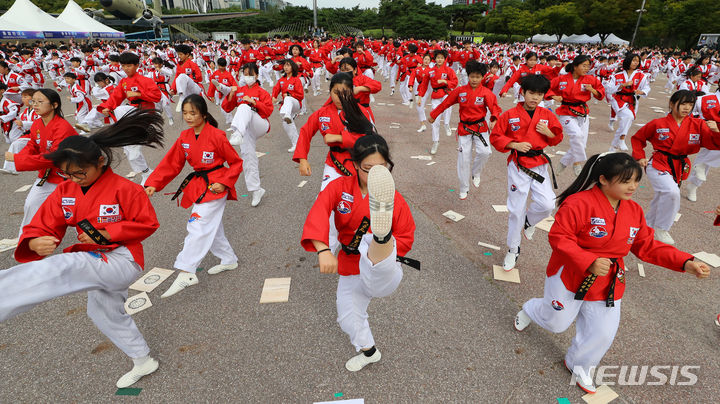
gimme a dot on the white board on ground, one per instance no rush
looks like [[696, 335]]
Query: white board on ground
[[24, 188], [151, 280], [454, 216], [500, 208], [494, 247], [351, 401], [545, 224], [275, 290], [137, 303], [603, 395], [508, 276]]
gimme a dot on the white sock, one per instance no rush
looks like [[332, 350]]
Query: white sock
[[141, 361], [514, 250]]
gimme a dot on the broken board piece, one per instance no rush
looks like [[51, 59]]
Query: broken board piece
[[302, 184], [454, 216], [131, 174], [275, 290], [431, 163], [560, 152], [592, 133], [711, 259], [8, 244], [24, 188], [677, 216], [151, 279], [137, 303], [508, 276], [259, 154], [603, 395], [591, 117], [380, 103], [545, 224], [494, 247], [500, 208], [422, 157], [641, 270]]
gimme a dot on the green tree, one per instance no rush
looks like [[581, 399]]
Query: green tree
[[462, 15], [420, 26], [687, 18], [604, 17], [559, 19]]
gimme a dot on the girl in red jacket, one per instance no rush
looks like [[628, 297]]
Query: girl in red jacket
[[111, 215], [206, 189], [473, 131], [626, 88], [441, 80], [367, 263], [254, 107], [673, 138], [291, 89], [596, 226], [573, 91], [416, 78], [46, 134]]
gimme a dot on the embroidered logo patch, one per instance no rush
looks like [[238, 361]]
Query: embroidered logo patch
[[194, 217], [324, 119], [663, 136], [694, 138], [598, 232], [513, 188], [347, 197], [68, 201], [597, 221], [513, 120], [479, 100], [557, 305], [208, 157], [343, 208], [67, 213], [109, 210], [185, 145]]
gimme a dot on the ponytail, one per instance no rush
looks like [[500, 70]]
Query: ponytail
[[142, 127], [356, 121], [613, 166]]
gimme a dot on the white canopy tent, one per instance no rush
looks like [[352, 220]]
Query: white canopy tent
[[31, 18], [73, 15], [614, 40], [578, 39]]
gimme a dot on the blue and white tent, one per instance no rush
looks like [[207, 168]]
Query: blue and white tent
[[31, 19], [74, 16]]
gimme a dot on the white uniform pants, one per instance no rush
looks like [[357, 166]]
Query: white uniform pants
[[15, 147], [134, 153], [595, 328], [709, 158], [462, 76], [466, 145], [81, 113], [14, 134], [317, 75], [164, 105], [665, 203], [576, 128], [354, 293], [186, 86], [222, 92], [26, 285], [94, 119], [393, 75], [519, 186], [625, 118], [248, 124], [205, 233], [421, 106], [290, 108], [265, 72], [405, 91], [445, 116], [34, 200]]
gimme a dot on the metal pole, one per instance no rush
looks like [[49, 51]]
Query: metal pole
[[315, 15], [642, 9]]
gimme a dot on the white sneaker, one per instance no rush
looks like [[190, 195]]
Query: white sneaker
[[131, 174], [664, 236], [422, 128], [183, 280], [623, 146], [392, 91], [359, 361], [434, 147], [83, 127], [700, 172], [178, 107], [236, 139], [448, 131], [476, 182], [611, 126], [222, 268], [171, 122], [381, 197], [577, 169], [528, 231], [406, 103], [510, 260], [410, 104], [4, 171], [691, 192], [257, 197], [522, 320], [463, 195], [561, 168], [137, 372], [287, 119], [145, 176], [292, 149], [583, 381]]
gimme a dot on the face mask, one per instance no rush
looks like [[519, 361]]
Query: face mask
[[249, 80]]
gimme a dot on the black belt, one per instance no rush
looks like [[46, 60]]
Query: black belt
[[582, 113], [628, 94], [590, 279], [352, 247], [537, 177], [472, 132], [440, 88], [679, 157], [343, 170], [202, 174], [91, 231], [366, 105], [44, 178]]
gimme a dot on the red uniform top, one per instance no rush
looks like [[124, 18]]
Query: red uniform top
[[524, 70], [267, 54], [439, 90], [364, 60], [263, 102], [419, 75], [316, 57], [148, 89], [587, 227], [8, 113], [516, 125], [709, 107], [639, 82], [44, 139], [12, 80], [666, 137], [328, 120], [363, 97], [250, 56], [462, 56], [113, 203], [573, 91], [408, 64], [191, 69], [304, 67], [489, 80], [225, 78], [340, 196], [474, 106], [291, 86], [208, 150]]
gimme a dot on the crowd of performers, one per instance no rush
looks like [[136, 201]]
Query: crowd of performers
[[360, 227]]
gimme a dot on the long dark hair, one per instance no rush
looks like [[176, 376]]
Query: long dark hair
[[355, 120], [293, 66], [613, 166], [683, 97], [54, 98], [370, 144], [627, 62], [199, 103], [138, 127]]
